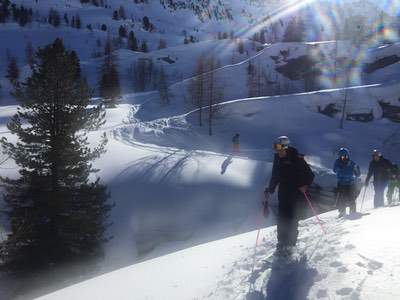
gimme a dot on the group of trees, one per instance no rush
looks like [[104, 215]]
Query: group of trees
[[225, 35], [13, 71], [56, 213], [295, 30], [19, 14], [96, 3], [206, 90], [258, 83], [75, 21]]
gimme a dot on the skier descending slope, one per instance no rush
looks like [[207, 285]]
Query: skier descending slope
[[293, 175], [347, 172]]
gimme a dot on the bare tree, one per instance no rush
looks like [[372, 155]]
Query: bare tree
[[163, 88], [196, 88], [214, 91], [257, 81]]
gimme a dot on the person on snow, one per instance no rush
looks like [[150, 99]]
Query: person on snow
[[347, 173], [379, 168], [236, 143], [394, 182], [293, 175]]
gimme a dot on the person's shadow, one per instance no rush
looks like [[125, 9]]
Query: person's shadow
[[290, 282], [225, 164], [356, 216]]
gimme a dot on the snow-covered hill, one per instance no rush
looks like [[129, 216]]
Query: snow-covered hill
[[170, 23]]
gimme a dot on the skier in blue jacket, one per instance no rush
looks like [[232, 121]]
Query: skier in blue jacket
[[347, 172]]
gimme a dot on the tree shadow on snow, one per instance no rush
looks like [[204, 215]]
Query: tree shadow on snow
[[291, 282]]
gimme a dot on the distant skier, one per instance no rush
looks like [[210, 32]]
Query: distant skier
[[236, 143], [379, 168], [294, 176], [347, 172], [394, 183]]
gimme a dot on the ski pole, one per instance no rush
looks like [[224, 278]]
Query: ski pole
[[258, 236], [315, 213], [363, 198], [337, 199]]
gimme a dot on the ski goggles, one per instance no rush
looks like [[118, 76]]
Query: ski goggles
[[278, 147]]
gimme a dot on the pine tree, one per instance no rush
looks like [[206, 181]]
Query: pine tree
[[132, 42], [30, 54], [241, 47], [12, 70], [121, 12], [115, 15], [146, 23], [4, 10], [122, 31], [66, 19], [110, 89], [78, 23], [144, 47], [56, 214]]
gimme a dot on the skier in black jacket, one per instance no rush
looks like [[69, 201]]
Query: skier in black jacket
[[293, 175], [380, 168]]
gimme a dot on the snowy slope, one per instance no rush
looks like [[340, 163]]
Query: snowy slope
[[233, 78], [356, 259]]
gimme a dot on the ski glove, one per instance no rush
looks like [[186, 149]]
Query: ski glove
[[268, 192]]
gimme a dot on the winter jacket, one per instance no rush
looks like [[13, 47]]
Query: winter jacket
[[236, 140], [346, 171], [381, 171], [290, 172]]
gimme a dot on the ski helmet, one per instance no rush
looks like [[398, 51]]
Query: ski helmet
[[344, 152], [376, 152], [281, 142]]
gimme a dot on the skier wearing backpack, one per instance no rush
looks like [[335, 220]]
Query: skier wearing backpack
[[347, 172], [379, 168], [293, 175]]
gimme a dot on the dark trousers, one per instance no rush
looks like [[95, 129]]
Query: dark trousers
[[347, 195], [289, 214], [379, 198], [287, 231]]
